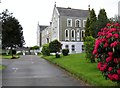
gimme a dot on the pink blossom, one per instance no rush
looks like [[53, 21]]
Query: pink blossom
[[114, 44], [110, 76], [115, 76], [109, 35], [99, 65], [108, 24], [115, 60], [110, 53], [95, 51], [118, 71], [108, 59], [110, 69], [105, 45], [117, 24], [113, 30], [115, 35]]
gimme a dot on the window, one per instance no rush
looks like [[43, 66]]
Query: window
[[66, 34], [78, 35], [83, 48], [73, 47], [84, 22], [69, 22], [72, 34], [82, 35], [47, 40], [66, 46], [77, 23]]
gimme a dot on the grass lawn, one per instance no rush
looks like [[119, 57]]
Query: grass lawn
[[81, 68], [2, 67], [8, 56]]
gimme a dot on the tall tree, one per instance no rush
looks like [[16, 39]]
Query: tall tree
[[87, 25], [101, 21], [93, 20], [12, 34]]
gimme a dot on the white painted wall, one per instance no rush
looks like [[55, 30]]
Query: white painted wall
[[78, 46]]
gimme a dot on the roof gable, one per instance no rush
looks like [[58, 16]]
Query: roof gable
[[72, 12]]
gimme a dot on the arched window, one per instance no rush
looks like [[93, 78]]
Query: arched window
[[82, 34], [66, 34], [72, 34], [77, 23], [77, 34]]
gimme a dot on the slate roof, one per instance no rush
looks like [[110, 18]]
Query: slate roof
[[42, 27], [72, 12]]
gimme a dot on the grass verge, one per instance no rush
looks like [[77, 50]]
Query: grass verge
[[77, 65], [2, 67], [9, 56]]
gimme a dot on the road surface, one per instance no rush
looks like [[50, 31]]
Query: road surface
[[31, 70]]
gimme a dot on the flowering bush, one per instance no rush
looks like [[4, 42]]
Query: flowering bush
[[107, 51]]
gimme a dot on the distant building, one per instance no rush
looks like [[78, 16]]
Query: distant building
[[67, 26]]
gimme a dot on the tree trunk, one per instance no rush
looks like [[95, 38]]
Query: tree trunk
[[11, 52]]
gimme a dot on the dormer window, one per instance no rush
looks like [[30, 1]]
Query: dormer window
[[77, 23], [69, 22]]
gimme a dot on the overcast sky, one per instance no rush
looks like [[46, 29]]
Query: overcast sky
[[30, 12]]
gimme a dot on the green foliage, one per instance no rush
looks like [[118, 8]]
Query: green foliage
[[93, 20], [101, 21], [34, 48], [87, 25], [57, 55], [55, 46], [12, 34], [89, 46], [45, 50], [65, 52]]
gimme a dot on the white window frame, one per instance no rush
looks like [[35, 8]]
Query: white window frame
[[79, 22], [83, 34], [77, 37], [73, 38], [66, 38], [84, 23], [68, 23]]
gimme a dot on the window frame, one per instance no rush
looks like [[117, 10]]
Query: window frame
[[68, 22], [72, 48], [84, 23], [82, 34], [73, 37], [66, 37], [79, 23]]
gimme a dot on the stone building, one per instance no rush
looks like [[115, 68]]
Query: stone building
[[67, 26]]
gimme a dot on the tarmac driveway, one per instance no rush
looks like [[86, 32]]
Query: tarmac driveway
[[31, 70]]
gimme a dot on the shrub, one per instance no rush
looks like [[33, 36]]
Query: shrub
[[55, 46], [65, 52], [57, 55], [45, 50], [89, 46], [107, 50]]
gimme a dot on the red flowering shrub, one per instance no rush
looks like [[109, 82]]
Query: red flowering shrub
[[107, 51]]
